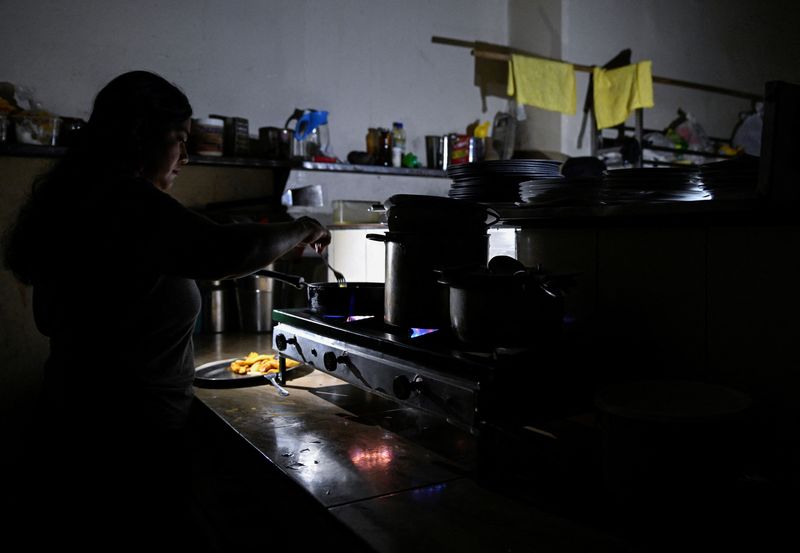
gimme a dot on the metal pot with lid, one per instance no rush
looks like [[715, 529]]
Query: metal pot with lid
[[504, 304], [413, 296], [421, 213]]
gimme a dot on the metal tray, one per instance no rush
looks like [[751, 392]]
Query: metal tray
[[217, 375]]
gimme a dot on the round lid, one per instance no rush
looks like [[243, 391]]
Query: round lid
[[671, 400], [210, 122]]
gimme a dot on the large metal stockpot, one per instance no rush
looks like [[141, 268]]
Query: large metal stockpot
[[413, 297]]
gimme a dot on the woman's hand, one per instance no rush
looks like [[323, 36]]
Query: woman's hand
[[317, 236]]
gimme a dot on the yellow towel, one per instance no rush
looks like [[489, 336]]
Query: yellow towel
[[619, 91], [542, 83]]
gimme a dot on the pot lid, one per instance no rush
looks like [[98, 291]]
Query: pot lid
[[442, 203]]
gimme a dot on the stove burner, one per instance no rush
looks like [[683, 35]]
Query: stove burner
[[348, 318], [416, 332]]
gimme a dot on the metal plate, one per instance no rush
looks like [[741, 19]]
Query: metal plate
[[216, 374]]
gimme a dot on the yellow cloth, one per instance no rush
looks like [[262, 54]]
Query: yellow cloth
[[617, 92], [542, 83]]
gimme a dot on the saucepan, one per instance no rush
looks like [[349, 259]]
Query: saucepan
[[332, 299]]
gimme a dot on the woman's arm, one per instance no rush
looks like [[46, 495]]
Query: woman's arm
[[174, 240]]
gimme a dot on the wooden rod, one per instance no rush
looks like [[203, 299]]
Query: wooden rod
[[504, 53]]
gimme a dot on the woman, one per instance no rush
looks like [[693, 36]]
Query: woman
[[112, 260]]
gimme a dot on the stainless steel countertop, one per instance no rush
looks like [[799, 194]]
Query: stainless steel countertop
[[397, 477]]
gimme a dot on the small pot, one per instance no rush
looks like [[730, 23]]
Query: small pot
[[503, 310], [329, 299]]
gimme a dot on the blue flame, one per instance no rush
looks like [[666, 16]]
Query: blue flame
[[417, 332], [352, 318]]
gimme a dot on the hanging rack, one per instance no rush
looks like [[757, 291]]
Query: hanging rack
[[486, 50], [504, 53]]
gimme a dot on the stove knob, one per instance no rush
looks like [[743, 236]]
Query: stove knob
[[403, 387], [330, 361], [281, 342]]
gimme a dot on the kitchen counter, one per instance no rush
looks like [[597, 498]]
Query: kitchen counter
[[351, 468], [397, 478]]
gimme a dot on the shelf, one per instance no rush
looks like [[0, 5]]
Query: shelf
[[371, 169], [30, 150]]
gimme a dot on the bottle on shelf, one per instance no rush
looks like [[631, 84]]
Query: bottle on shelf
[[398, 144], [385, 147], [373, 143]]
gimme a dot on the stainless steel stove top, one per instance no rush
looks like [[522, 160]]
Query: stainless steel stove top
[[429, 369]]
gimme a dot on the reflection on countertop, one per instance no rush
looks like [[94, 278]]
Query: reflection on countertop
[[379, 469]]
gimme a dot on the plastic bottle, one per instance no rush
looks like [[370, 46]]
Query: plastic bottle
[[398, 144]]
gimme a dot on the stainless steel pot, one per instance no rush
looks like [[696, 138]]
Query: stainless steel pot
[[503, 310], [219, 306], [413, 296], [426, 214], [254, 296]]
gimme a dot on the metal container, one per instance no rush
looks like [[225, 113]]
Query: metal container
[[413, 297], [254, 294], [219, 311], [520, 309]]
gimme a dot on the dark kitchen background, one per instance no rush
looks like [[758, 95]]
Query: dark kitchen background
[[683, 296]]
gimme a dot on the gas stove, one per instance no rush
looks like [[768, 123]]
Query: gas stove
[[429, 369]]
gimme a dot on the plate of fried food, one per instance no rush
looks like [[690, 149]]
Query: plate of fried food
[[240, 371]]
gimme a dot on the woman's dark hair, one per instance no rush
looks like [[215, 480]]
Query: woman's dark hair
[[130, 117]]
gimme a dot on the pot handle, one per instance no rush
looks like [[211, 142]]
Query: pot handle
[[295, 280], [377, 237], [451, 275], [492, 213]]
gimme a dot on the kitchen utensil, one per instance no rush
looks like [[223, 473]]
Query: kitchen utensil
[[413, 298], [426, 214], [276, 143], [305, 196], [311, 133], [273, 379], [433, 151], [236, 135], [336, 274], [218, 306], [504, 134], [503, 308], [355, 212], [329, 299], [36, 128], [207, 136], [504, 265], [254, 295]]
